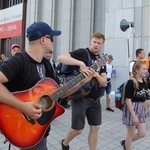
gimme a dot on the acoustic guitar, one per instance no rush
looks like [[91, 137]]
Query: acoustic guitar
[[20, 129]]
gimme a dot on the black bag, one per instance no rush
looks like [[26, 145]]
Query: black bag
[[120, 95]]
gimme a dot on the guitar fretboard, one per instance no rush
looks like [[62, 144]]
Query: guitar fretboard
[[69, 85]]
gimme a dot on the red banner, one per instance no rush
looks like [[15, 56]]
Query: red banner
[[11, 21], [12, 29]]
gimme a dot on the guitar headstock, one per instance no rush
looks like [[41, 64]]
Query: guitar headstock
[[102, 60]]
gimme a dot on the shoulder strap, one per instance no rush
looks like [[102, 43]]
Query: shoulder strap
[[89, 57], [135, 85], [93, 81]]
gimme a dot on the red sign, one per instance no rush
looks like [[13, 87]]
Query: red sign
[[11, 21], [12, 29]]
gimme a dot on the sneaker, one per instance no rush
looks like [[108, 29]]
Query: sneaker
[[63, 146], [109, 109], [123, 144]]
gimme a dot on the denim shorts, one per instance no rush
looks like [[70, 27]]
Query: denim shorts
[[107, 89]]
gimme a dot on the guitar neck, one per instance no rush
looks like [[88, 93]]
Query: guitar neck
[[61, 91]]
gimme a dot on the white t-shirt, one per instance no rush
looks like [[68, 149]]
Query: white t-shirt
[[109, 69], [131, 66]]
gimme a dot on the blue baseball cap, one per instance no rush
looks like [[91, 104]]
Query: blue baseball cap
[[38, 29]]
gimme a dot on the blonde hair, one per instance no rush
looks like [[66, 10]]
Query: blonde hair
[[98, 35], [137, 65]]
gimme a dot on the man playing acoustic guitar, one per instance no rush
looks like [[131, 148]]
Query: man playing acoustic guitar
[[88, 106], [26, 115]]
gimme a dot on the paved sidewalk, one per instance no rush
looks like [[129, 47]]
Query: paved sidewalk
[[111, 132]]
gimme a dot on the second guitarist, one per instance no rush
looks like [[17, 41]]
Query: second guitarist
[[88, 107]]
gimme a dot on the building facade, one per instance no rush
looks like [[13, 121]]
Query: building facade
[[78, 19]]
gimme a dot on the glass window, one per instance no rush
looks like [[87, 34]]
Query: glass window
[[8, 3]]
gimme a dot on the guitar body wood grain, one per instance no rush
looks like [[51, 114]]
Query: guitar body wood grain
[[23, 132]]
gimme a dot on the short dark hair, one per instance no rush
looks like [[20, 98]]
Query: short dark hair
[[138, 51]]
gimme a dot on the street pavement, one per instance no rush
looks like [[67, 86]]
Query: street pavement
[[111, 132]]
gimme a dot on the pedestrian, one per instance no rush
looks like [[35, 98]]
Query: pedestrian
[[147, 61], [140, 54], [15, 48], [134, 110], [109, 69], [87, 107], [25, 69], [3, 58], [49, 57]]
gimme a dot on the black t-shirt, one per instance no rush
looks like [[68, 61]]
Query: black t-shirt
[[23, 72], [140, 94], [81, 54]]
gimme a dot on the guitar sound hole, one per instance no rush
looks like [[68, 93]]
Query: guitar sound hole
[[45, 102]]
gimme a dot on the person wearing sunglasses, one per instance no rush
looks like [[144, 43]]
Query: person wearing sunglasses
[[23, 71]]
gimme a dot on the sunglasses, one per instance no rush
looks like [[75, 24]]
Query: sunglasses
[[50, 37]]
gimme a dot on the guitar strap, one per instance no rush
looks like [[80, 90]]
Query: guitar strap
[[89, 57], [93, 81], [50, 71]]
